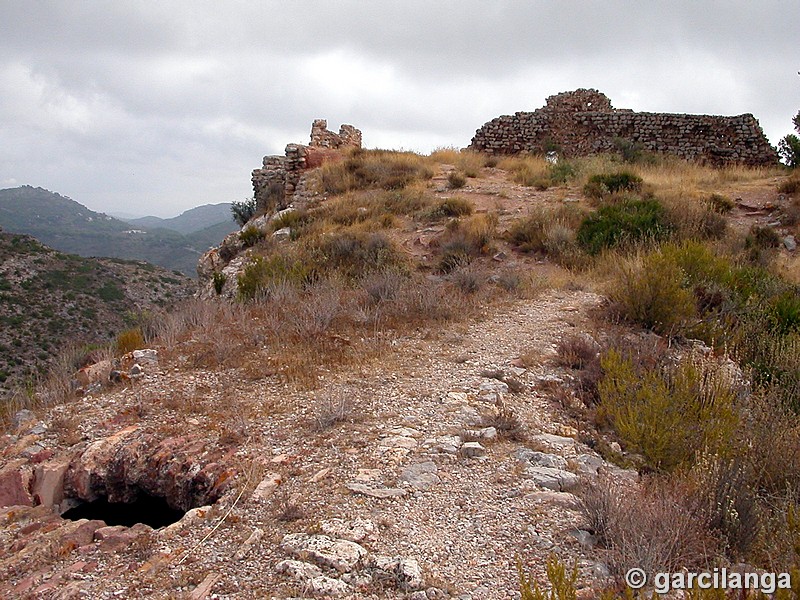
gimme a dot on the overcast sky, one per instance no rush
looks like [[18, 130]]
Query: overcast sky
[[156, 107]]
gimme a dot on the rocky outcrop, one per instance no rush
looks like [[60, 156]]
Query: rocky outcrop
[[276, 183], [278, 186], [583, 122]]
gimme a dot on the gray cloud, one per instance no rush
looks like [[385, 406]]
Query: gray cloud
[[155, 107]]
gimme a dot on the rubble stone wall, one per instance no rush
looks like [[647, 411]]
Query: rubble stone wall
[[275, 183], [583, 122]]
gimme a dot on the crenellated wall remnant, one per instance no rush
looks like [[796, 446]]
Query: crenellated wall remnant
[[276, 182], [583, 122]]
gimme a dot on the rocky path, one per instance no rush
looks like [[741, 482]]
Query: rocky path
[[412, 490]]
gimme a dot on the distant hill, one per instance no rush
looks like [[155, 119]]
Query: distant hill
[[49, 299], [192, 220], [69, 226]]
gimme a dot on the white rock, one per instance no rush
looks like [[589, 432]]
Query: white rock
[[553, 479], [342, 555], [298, 570], [356, 530], [473, 450]]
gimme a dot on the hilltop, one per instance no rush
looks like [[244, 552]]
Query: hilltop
[[70, 227], [420, 372]]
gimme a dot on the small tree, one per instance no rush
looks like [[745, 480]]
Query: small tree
[[789, 146], [243, 211]]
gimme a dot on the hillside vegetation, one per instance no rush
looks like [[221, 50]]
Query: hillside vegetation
[[494, 367], [70, 227], [50, 300]]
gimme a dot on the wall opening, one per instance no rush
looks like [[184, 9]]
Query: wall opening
[[150, 510]]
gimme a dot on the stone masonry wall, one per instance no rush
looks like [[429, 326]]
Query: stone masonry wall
[[583, 122], [275, 183]]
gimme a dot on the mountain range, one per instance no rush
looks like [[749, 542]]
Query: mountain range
[[69, 226]]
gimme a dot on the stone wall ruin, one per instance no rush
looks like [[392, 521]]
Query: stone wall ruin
[[583, 122], [276, 182]]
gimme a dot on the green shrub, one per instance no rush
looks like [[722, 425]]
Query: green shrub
[[353, 253], [605, 184], [464, 240], [652, 293], [667, 417], [562, 172], [762, 238], [563, 582], [627, 222], [721, 204], [250, 236], [219, 280], [278, 268], [243, 211]]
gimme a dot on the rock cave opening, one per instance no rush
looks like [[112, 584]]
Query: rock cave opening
[[153, 511]]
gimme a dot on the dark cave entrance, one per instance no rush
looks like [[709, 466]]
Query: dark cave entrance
[[149, 510]]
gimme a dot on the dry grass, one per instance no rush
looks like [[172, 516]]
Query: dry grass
[[653, 526]]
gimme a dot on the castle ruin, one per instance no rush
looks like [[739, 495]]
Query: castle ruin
[[276, 182], [583, 122]]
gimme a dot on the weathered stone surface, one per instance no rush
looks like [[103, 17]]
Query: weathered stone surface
[[48, 485], [540, 459], [421, 476], [266, 488], [553, 479], [558, 442], [473, 450], [563, 499], [95, 373], [405, 573], [342, 555], [589, 464], [375, 492], [185, 470], [250, 543], [16, 479], [583, 122], [398, 441], [298, 569], [356, 530]]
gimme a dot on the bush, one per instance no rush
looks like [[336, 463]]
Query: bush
[[219, 280], [354, 253], [563, 582], [762, 238], [456, 179], [130, 340], [650, 291], [243, 211], [451, 207], [789, 150], [790, 185], [576, 351], [275, 269], [464, 240], [627, 222], [651, 526], [720, 204], [250, 236], [602, 185], [668, 417]]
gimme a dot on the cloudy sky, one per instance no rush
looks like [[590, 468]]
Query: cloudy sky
[[156, 107]]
